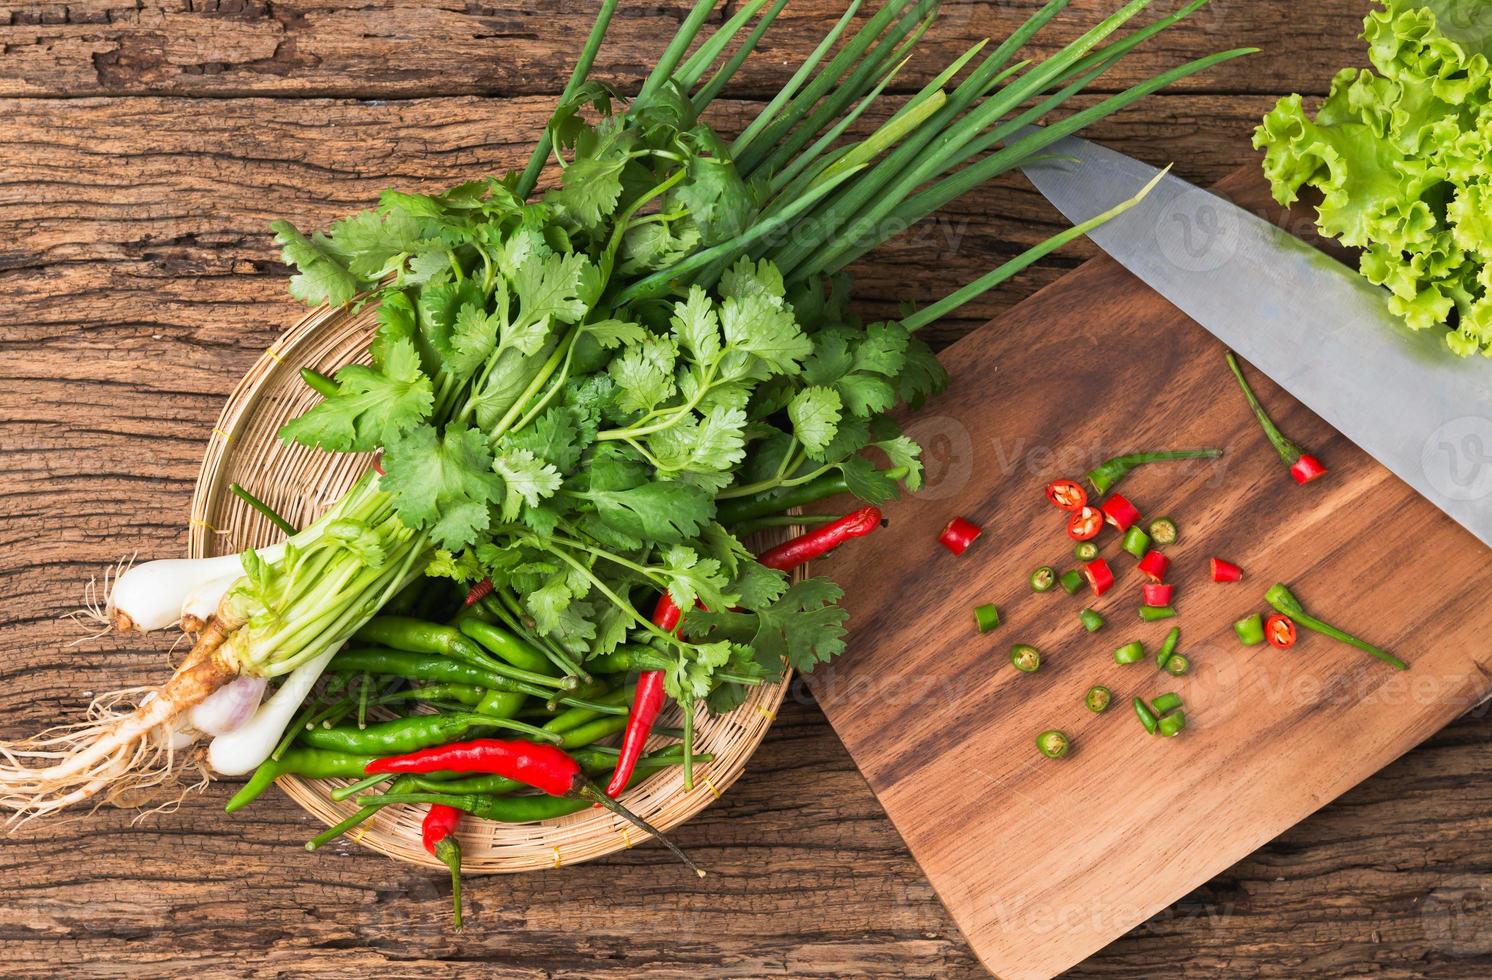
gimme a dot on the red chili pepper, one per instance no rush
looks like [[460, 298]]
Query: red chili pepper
[[1157, 594], [1307, 468], [821, 541], [545, 767], [1118, 511], [478, 592], [1225, 571], [959, 534], [378, 463], [1066, 494], [1085, 523], [1303, 466], [1099, 575], [436, 830], [1279, 629], [647, 703], [1154, 566]]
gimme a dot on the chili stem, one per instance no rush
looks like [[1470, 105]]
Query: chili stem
[[1289, 451]]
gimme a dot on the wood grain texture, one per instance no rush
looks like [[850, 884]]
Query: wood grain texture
[[408, 48], [1041, 863], [139, 282]]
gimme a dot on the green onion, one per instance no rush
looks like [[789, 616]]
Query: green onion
[[1092, 621], [986, 617], [1130, 653]]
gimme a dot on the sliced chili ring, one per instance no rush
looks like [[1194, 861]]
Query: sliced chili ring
[[1099, 575], [1118, 511], [1307, 468], [1280, 631], [959, 534], [1085, 523], [1154, 566], [1225, 571], [1157, 594], [1066, 494]]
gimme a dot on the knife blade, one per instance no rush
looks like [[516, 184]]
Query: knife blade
[[1316, 327]]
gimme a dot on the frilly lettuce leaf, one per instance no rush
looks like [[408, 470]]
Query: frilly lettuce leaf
[[1401, 155]]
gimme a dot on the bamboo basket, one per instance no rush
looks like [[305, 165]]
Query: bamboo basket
[[300, 484]]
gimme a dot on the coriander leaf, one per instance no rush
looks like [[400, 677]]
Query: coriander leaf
[[473, 339], [803, 628], [548, 288], [712, 444], [696, 327], [611, 334], [903, 452], [745, 279], [832, 358], [462, 567], [815, 414], [759, 325], [369, 240], [442, 482], [643, 373], [689, 679], [527, 480], [396, 321], [852, 436], [324, 276], [866, 482], [865, 394], [557, 436], [884, 349], [923, 376], [665, 512], [758, 585], [371, 407]]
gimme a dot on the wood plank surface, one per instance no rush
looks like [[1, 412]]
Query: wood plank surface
[[138, 172], [1043, 862]]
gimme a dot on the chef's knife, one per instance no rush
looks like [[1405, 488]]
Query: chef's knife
[[1320, 330]]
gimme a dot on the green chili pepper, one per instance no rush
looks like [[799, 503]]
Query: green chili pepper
[[1130, 653], [1167, 702], [594, 731], [1146, 716], [627, 658], [1283, 600], [986, 617], [411, 734], [515, 650], [1178, 665], [1085, 551], [430, 667], [1098, 698], [1105, 476], [418, 636], [1072, 581], [1172, 724], [1168, 648], [1043, 579], [591, 760], [1250, 631], [1136, 541], [364, 812], [575, 717], [1092, 621], [321, 384], [1025, 658], [1163, 531], [1151, 614], [310, 763], [1053, 744]]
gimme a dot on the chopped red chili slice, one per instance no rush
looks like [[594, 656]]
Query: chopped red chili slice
[[1066, 494], [1225, 571], [1307, 468], [1280, 631], [1118, 511], [1085, 523], [1157, 594], [959, 534], [1154, 566], [1099, 575]]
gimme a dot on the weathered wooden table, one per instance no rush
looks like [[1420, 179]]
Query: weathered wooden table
[[145, 146]]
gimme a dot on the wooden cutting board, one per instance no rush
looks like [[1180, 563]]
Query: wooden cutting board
[[1042, 862]]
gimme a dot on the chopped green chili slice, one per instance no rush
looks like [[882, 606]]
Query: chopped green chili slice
[[1053, 744], [1163, 655], [1092, 621], [1043, 579], [1136, 541], [1163, 531], [1178, 665], [1172, 724], [986, 617], [1250, 631], [1071, 580], [1151, 614], [1025, 658], [1146, 716], [1085, 551], [1130, 653], [1098, 698], [1165, 703]]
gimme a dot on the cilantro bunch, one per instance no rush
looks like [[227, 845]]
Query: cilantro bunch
[[572, 390]]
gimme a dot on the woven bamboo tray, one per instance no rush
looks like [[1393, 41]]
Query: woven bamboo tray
[[301, 483]]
